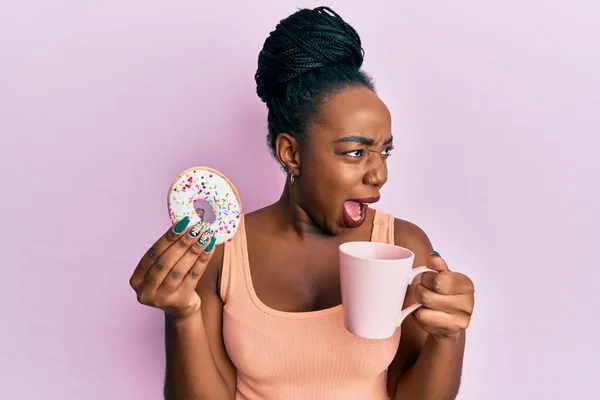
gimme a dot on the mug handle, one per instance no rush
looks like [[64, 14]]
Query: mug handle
[[408, 310]]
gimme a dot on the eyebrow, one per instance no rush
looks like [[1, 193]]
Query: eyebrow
[[362, 140]]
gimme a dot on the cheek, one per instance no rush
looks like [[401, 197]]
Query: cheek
[[321, 186], [320, 168], [330, 178], [336, 185], [334, 173], [349, 175]]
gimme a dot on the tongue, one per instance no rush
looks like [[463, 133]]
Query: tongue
[[353, 209]]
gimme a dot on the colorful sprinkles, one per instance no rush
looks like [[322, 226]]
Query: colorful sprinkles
[[214, 189]]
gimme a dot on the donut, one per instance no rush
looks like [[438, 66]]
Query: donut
[[212, 187]]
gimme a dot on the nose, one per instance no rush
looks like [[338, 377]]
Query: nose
[[376, 174]]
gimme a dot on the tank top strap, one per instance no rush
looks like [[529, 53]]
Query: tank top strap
[[383, 228], [234, 255]]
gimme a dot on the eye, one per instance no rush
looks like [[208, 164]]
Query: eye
[[355, 153], [387, 151]]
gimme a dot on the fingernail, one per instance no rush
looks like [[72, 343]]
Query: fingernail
[[181, 225], [205, 236], [196, 229], [435, 253], [210, 245]]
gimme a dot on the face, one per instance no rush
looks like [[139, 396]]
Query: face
[[342, 166]]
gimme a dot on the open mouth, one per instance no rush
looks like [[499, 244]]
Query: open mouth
[[355, 211]]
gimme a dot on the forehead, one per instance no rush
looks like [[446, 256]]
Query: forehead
[[353, 111]]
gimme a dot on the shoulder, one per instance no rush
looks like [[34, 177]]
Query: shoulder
[[210, 282], [257, 218], [409, 235]]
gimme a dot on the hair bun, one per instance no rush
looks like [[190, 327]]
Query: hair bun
[[305, 40]]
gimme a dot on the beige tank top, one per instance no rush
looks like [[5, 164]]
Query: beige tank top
[[298, 355]]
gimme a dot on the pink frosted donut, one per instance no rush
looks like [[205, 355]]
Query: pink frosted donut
[[212, 187]]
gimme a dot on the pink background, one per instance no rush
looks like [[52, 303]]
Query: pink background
[[497, 122]]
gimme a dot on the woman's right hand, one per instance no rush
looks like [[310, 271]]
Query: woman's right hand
[[167, 275]]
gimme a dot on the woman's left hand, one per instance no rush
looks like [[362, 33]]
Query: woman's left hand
[[447, 298]]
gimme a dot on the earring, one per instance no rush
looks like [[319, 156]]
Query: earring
[[291, 179]]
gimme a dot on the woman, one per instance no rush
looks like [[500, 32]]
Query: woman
[[260, 317]]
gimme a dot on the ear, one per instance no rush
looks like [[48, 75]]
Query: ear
[[288, 152]]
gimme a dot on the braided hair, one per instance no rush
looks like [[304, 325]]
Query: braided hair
[[310, 55]]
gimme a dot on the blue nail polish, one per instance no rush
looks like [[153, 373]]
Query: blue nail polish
[[210, 245], [435, 253], [181, 225]]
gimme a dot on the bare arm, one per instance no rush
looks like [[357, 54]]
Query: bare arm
[[197, 363], [426, 367]]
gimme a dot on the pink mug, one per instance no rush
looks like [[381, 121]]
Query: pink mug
[[374, 279]]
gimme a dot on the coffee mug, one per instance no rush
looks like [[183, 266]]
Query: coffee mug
[[374, 280]]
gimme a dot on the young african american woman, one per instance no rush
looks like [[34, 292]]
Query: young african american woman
[[260, 317]]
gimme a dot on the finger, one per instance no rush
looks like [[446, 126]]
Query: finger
[[175, 277], [165, 263], [441, 302], [441, 320], [447, 282], [156, 250], [190, 281], [436, 262]]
